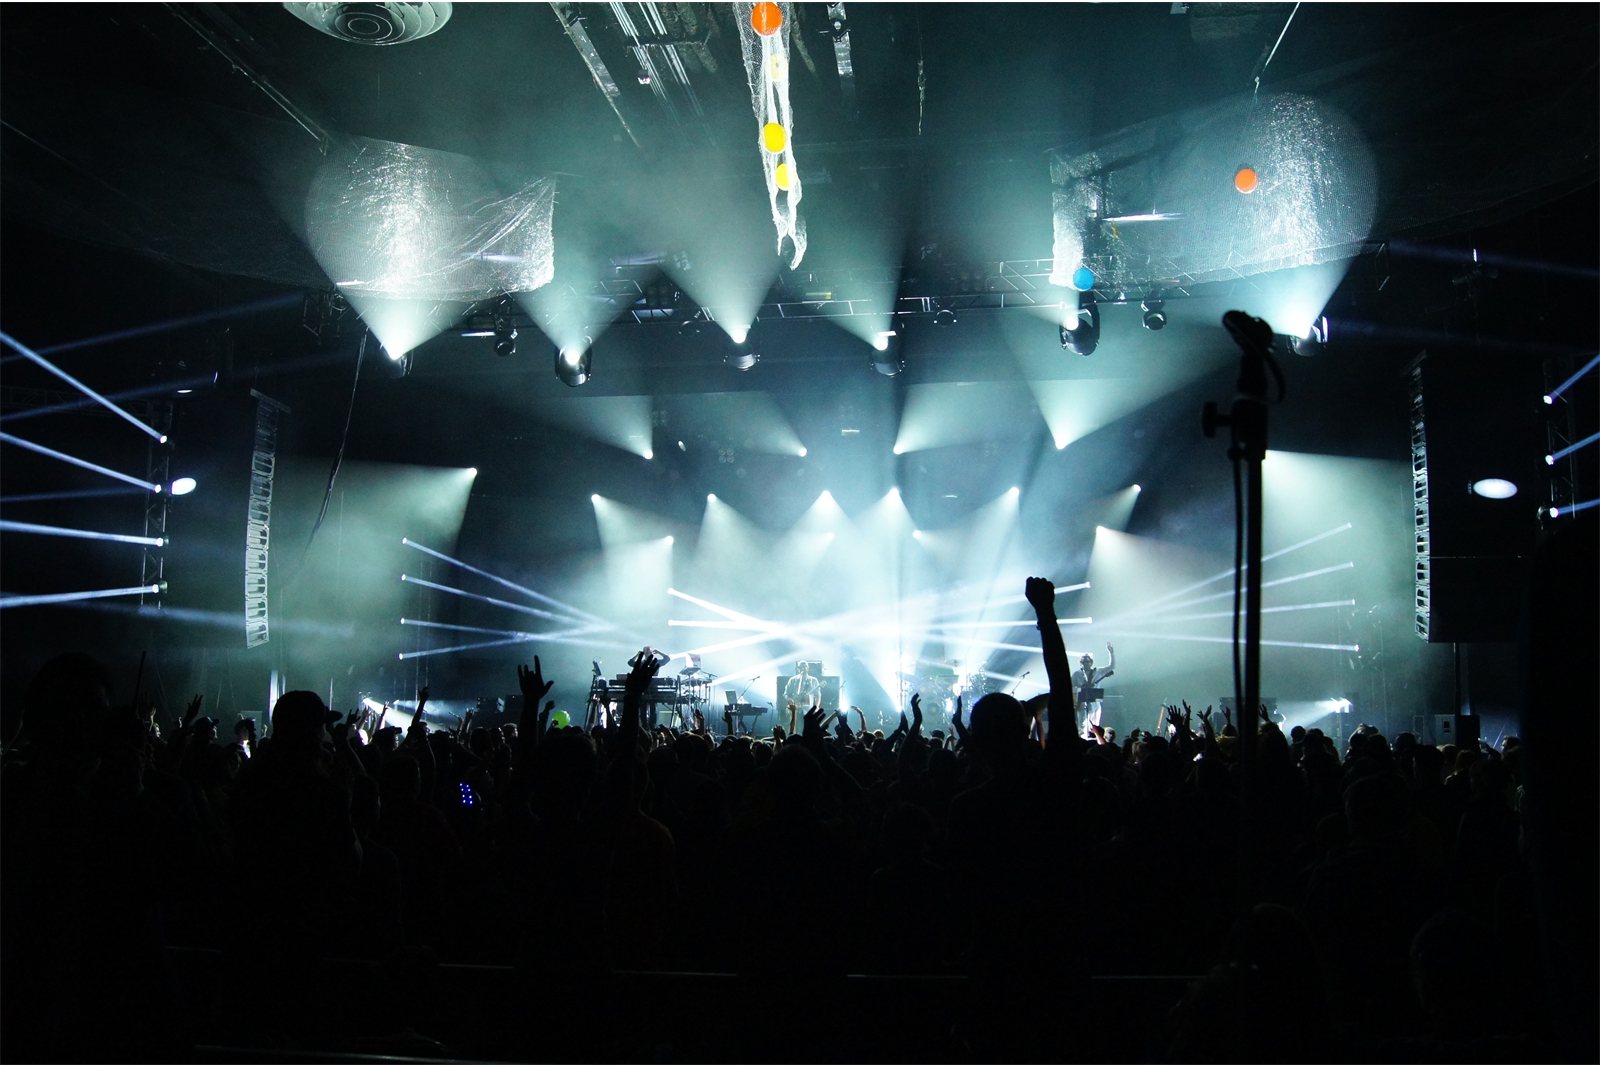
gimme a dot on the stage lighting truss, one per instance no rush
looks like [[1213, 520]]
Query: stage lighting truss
[[156, 425], [573, 362]]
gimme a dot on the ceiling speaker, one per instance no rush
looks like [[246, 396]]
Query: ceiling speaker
[[386, 23]]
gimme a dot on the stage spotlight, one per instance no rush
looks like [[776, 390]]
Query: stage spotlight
[[1015, 491], [801, 453], [741, 353], [1312, 344], [1081, 335], [944, 317], [397, 366], [1495, 488], [738, 334], [181, 486], [505, 328], [1138, 488], [473, 471], [917, 534], [889, 360], [669, 539], [710, 497], [594, 498], [1155, 317], [572, 363], [650, 455]]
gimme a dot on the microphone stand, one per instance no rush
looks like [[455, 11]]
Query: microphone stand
[[1247, 424]]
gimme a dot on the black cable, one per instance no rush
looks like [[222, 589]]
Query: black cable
[[338, 459]]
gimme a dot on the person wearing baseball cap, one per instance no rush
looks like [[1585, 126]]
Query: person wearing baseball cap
[[301, 715]]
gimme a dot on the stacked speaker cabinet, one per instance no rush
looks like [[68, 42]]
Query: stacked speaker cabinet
[[1476, 455]]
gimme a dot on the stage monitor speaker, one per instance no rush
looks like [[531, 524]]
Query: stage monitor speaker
[[1458, 730], [1474, 417]]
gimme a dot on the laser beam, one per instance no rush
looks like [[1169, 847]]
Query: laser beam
[[524, 590], [1229, 641], [11, 439], [160, 437], [62, 598], [1264, 611], [1564, 386], [536, 612], [88, 535]]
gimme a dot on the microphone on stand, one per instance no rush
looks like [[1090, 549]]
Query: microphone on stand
[[1018, 682], [753, 681]]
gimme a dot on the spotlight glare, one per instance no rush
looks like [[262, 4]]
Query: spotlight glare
[[710, 497], [1549, 400], [473, 471], [917, 534], [1138, 488], [1549, 461], [181, 486], [573, 363], [595, 498], [739, 333], [898, 450], [669, 539], [1495, 488], [649, 455], [1015, 491], [802, 453]]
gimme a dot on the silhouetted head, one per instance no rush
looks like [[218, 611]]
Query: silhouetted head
[[67, 701], [999, 726], [907, 829], [1372, 807], [301, 716], [1086, 661], [400, 781], [794, 777]]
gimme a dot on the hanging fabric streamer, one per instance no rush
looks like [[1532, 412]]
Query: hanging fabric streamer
[[764, 37]]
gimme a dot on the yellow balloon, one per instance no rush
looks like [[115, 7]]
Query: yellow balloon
[[773, 137], [783, 177]]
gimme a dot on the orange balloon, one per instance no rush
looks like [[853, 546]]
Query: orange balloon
[[1245, 181], [766, 18]]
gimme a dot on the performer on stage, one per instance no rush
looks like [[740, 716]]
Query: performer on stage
[[1087, 677], [803, 691]]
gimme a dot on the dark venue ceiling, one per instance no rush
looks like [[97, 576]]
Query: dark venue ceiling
[[157, 161]]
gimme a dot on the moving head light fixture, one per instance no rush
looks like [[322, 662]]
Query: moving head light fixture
[[888, 354], [1155, 315], [572, 362], [1080, 330], [742, 354], [505, 327]]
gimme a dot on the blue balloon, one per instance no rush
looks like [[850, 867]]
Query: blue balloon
[[1083, 279]]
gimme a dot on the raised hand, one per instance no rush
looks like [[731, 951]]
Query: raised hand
[[916, 714], [1174, 720], [955, 721], [422, 699], [192, 711], [1041, 593], [777, 734], [645, 669], [534, 687], [1266, 716]]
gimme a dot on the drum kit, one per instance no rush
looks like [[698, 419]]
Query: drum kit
[[939, 684]]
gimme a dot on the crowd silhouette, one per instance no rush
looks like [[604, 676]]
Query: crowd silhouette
[[167, 890]]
